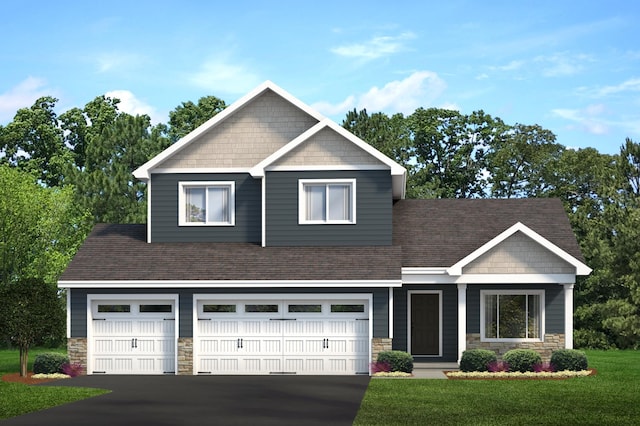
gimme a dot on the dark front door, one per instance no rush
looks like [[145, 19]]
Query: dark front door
[[425, 324]]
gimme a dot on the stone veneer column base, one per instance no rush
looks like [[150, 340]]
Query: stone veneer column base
[[551, 343], [380, 344], [77, 352], [185, 356]]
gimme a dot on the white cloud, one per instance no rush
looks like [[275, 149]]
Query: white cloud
[[420, 89], [562, 64], [117, 61], [587, 119], [21, 96], [134, 106], [631, 85], [221, 76], [375, 48], [482, 76], [511, 66]]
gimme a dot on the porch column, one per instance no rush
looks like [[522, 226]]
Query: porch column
[[462, 320], [568, 316]]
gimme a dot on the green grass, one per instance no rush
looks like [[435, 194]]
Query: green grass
[[612, 397], [16, 399]]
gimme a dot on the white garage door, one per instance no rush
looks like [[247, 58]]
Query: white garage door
[[132, 337], [282, 337]]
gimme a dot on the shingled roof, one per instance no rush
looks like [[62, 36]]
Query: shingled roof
[[120, 252], [439, 233], [426, 233]]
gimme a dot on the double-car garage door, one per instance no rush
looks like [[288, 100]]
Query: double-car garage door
[[233, 335]]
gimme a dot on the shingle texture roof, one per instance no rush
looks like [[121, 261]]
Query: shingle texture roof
[[438, 233], [427, 233], [120, 252]]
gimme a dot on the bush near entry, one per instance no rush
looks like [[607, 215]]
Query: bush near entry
[[522, 360], [49, 363], [477, 360], [397, 360], [569, 359]]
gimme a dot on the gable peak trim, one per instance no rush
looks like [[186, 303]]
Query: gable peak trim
[[581, 268]]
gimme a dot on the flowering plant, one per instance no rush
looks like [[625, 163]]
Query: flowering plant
[[545, 367], [380, 367], [498, 366], [72, 370]]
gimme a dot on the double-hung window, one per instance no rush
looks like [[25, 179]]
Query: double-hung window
[[327, 201], [512, 315], [206, 203]]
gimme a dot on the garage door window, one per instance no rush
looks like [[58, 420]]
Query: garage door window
[[305, 308], [219, 309], [114, 308], [155, 308], [260, 308], [347, 308]]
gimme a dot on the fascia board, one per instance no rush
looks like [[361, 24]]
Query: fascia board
[[229, 283], [143, 172], [581, 268]]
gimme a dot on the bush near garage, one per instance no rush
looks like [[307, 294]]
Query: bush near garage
[[477, 360], [49, 363], [522, 360], [397, 360], [569, 359]]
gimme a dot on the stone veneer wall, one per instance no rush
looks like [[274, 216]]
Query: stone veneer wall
[[551, 343], [185, 356], [380, 344], [77, 351]]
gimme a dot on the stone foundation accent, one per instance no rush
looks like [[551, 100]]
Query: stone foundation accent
[[551, 343], [380, 344], [185, 356], [77, 352]]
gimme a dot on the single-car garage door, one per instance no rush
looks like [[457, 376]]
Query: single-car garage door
[[132, 337], [270, 336]]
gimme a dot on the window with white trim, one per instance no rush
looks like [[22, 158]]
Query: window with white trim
[[512, 315], [206, 203], [327, 201]]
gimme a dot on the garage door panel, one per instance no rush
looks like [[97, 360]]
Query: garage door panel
[[302, 337]]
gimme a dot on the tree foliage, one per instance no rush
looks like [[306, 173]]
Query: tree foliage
[[188, 116], [31, 312]]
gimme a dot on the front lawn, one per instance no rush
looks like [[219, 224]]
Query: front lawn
[[16, 399], [611, 397]]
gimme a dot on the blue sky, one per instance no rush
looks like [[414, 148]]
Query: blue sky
[[570, 66]]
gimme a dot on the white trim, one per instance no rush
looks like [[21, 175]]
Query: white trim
[[410, 293], [568, 315], [68, 313], [487, 278], [424, 271], [144, 171], [352, 167], [200, 170], [167, 284], [263, 213], [581, 268], [182, 185], [462, 320], [302, 205], [507, 292], [390, 313], [149, 211], [92, 297]]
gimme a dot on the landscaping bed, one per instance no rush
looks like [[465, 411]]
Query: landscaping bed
[[28, 379]]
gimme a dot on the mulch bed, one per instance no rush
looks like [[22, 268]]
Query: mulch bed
[[26, 380], [592, 372]]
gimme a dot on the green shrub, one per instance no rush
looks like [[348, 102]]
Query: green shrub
[[591, 339], [522, 360], [477, 360], [398, 360], [49, 363], [569, 359]]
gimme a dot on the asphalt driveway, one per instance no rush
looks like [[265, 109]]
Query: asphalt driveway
[[207, 400]]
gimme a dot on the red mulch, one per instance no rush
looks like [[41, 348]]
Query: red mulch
[[592, 372], [26, 380]]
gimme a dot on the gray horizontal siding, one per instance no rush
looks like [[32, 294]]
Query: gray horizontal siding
[[554, 305], [373, 211], [164, 210], [449, 321], [185, 323]]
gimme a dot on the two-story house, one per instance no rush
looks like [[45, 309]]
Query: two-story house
[[278, 242]]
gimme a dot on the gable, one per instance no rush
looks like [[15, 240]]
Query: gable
[[261, 127], [326, 148], [519, 254]]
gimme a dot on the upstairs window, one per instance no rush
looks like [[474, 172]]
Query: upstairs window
[[327, 201], [206, 203]]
